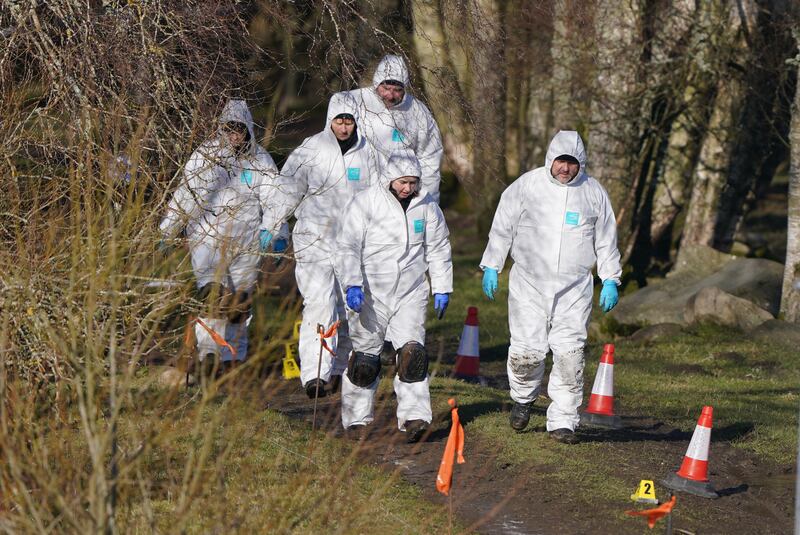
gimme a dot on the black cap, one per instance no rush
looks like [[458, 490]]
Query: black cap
[[345, 116], [396, 83], [567, 158]]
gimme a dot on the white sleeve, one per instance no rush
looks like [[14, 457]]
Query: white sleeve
[[189, 198], [429, 151], [605, 241], [437, 251], [291, 186], [504, 226], [350, 242]]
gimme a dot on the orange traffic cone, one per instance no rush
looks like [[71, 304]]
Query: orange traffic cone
[[468, 356], [600, 411], [693, 474]]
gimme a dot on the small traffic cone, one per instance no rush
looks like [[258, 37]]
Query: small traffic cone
[[600, 411], [693, 474], [468, 356]]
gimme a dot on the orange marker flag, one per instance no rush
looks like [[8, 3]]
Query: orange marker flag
[[219, 340], [654, 514], [453, 448], [328, 334]]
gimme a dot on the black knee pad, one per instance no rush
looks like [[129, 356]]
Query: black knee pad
[[412, 364], [239, 307], [213, 294], [363, 368]]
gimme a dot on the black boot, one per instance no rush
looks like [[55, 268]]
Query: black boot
[[313, 392], [564, 435], [520, 415], [414, 430]]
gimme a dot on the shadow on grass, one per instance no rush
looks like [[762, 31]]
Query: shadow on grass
[[654, 433]]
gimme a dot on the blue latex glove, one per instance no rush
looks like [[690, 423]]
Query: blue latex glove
[[489, 282], [440, 302], [264, 237], [609, 296], [280, 245], [355, 298]]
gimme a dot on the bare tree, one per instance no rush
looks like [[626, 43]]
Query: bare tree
[[790, 300]]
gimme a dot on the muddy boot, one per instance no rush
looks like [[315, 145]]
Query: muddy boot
[[414, 430], [205, 370], [520, 415], [564, 435], [312, 391]]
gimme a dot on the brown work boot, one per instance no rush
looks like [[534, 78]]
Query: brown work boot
[[564, 435], [415, 429]]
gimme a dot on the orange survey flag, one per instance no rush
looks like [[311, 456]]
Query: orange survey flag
[[654, 514], [454, 447], [219, 340], [327, 334]]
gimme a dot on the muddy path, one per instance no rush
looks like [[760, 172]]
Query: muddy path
[[492, 498]]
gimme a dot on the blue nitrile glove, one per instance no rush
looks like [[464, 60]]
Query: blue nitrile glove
[[355, 298], [264, 237], [280, 245], [489, 282], [440, 302], [609, 296]]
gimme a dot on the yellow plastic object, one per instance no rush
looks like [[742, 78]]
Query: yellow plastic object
[[290, 368], [296, 330], [645, 492]]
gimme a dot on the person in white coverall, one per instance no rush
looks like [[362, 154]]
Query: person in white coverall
[[557, 221], [392, 234], [393, 119], [317, 181], [220, 203]]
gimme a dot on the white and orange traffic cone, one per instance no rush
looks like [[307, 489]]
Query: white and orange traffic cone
[[600, 411], [468, 356], [693, 474]]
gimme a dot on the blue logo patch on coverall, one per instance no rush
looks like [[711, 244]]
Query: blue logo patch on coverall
[[246, 177], [572, 218], [353, 173], [397, 136], [419, 225]]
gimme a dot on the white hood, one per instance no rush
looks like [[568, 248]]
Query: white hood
[[567, 142], [391, 67], [400, 163], [237, 111]]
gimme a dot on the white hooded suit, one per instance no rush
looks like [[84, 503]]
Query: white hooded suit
[[555, 233], [409, 125], [387, 251], [221, 203], [316, 183]]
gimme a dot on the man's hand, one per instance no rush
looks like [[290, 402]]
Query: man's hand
[[355, 298], [489, 282], [440, 302], [609, 296], [164, 247]]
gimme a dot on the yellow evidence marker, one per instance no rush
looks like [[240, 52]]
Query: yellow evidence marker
[[645, 492], [290, 368]]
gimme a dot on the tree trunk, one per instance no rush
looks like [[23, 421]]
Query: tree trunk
[[790, 301], [445, 96], [712, 167], [614, 136]]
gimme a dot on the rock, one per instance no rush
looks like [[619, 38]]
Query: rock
[[712, 305], [756, 279], [173, 378], [656, 333], [782, 333]]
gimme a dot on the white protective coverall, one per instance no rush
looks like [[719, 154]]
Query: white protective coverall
[[315, 184], [555, 233], [387, 251], [407, 125], [221, 202]]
